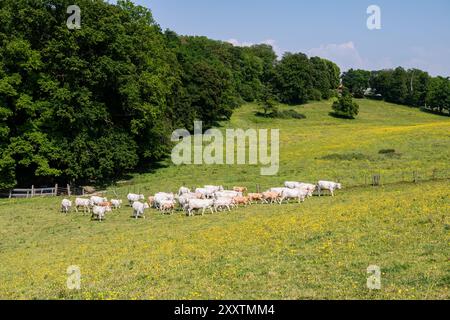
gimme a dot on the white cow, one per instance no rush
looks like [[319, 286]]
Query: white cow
[[183, 190], [66, 205], [292, 184], [132, 197], [223, 203], [278, 190], [300, 185], [162, 196], [227, 194], [139, 209], [199, 204], [214, 188], [99, 212], [183, 200], [206, 192], [308, 187], [299, 194], [328, 185], [86, 204], [117, 204], [98, 200]]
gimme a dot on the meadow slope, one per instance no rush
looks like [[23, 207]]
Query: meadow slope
[[323, 147], [318, 250]]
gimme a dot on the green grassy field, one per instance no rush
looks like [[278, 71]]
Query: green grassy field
[[323, 147], [318, 250]]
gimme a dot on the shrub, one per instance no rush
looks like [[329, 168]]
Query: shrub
[[344, 107]]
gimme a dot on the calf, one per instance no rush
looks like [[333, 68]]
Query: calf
[[151, 201], [105, 204], [240, 189], [255, 197], [241, 200], [270, 197], [167, 206], [162, 196], [97, 200]]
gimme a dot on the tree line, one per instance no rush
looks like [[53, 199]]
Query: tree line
[[89, 105], [413, 87]]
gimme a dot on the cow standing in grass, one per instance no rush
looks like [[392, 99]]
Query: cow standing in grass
[[139, 209], [86, 204], [66, 205], [328, 185], [134, 197]]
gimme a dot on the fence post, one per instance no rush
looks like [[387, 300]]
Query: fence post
[[32, 191], [68, 190], [10, 194], [376, 180], [56, 190]]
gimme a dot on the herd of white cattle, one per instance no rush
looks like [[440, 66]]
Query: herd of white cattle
[[201, 200]]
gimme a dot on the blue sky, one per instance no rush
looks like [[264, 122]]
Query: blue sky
[[414, 33]]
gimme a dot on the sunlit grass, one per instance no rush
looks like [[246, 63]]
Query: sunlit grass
[[320, 249]]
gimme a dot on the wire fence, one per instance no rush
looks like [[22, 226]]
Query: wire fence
[[375, 179]]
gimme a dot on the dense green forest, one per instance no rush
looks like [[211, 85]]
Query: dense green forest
[[411, 87], [89, 105]]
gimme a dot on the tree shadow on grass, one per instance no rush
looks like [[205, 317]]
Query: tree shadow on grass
[[340, 116]]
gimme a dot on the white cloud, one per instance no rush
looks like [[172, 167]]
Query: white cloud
[[345, 55], [434, 61], [270, 42]]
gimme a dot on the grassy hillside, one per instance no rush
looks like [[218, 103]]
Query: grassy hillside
[[323, 147], [320, 249]]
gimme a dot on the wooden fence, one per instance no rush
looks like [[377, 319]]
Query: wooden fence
[[46, 192]]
